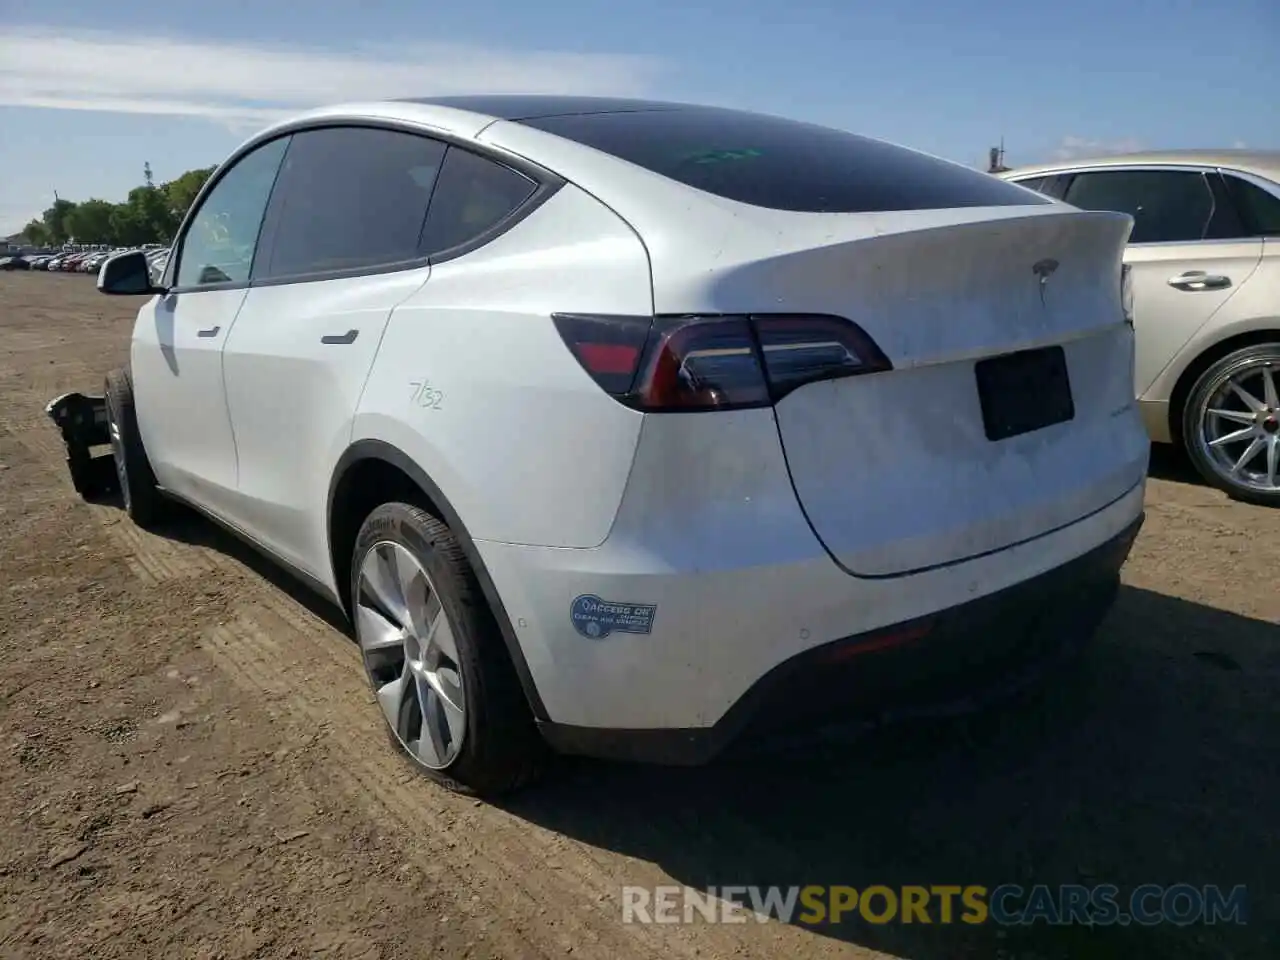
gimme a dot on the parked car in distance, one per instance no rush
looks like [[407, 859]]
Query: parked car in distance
[[629, 427], [1204, 258], [15, 263]]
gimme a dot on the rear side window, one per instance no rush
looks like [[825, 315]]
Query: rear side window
[[782, 164], [1226, 223], [1032, 183], [1167, 206], [349, 198], [1260, 209], [472, 196]]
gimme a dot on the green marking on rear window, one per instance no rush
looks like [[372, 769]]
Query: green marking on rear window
[[721, 156]]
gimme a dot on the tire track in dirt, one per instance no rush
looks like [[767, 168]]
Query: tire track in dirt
[[155, 559], [553, 894], [273, 637], [265, 644], [595, 877], [362, 763]]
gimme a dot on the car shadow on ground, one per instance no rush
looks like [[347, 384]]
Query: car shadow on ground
[[187, 526], [1171, 463], [1142, 763], [1151, 760]]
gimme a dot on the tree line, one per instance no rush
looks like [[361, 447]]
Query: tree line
[[151, 214]]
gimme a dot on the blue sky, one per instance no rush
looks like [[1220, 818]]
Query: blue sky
[[90, 91]]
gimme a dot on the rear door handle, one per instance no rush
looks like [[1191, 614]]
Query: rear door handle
[[348, 337], [211, 332], [1199, 280]]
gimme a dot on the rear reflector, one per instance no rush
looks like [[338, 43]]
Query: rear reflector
[[874, 644], [609, 348], [609, 358], [681, 364]]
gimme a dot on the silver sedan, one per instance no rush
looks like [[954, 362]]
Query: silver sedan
[[1204, 264]]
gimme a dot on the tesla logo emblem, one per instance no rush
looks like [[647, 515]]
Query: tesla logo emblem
[[1044, 270]]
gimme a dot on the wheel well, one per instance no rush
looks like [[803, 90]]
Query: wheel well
[[363, 487], [378, 474], [1182, 389]]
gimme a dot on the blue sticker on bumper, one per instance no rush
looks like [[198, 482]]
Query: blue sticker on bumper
[[596, 619]]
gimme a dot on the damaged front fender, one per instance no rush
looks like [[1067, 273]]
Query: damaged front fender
[[82, 421]]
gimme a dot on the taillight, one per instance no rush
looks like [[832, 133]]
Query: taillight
[[608, 348], [674, 364], [799, 350]]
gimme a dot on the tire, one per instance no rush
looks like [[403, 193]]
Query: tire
[[141, 496], [483, 742], [1254, 422]]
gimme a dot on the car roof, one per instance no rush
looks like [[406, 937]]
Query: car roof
[[1264, 163], [520, 106], [468, 116]]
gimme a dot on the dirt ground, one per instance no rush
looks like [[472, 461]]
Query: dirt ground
[[191, 765]]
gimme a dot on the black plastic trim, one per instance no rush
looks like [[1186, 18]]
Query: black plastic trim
[[204, 288], [346, 274], [379, 450], [1084, 587]]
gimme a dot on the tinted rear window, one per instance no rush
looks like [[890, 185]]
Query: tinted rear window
[[782, 164], [472, 196], [350, 198], [1260, 208]]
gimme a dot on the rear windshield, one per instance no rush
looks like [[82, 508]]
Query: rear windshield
[[782, 164]]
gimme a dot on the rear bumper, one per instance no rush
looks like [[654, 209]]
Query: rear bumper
[[948, 662]]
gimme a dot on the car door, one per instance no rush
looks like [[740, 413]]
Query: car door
[[1188, 253], [176, 353], [340, 249]]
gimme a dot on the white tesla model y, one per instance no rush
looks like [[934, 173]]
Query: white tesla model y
[[626, 427]]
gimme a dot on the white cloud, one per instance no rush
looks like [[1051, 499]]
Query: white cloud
[[1239, 145], [249, 84], [1072, 148]]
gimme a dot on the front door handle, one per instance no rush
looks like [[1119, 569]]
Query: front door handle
[[1194, 280], [211, 332], [348, 337]]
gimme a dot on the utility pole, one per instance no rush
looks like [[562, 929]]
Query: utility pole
[[996, 157]]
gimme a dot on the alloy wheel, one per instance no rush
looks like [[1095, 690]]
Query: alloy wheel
[[410, 655], [1239, 421]]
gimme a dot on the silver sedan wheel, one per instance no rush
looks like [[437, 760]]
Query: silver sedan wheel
[[1240, 426], [410, 655], [117, 454]]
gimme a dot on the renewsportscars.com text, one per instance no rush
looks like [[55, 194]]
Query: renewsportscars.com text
[[1009, 904]]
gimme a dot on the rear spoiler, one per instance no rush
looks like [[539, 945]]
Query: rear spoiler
[[82, 421]]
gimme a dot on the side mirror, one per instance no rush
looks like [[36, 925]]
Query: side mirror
[[126, 274]]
